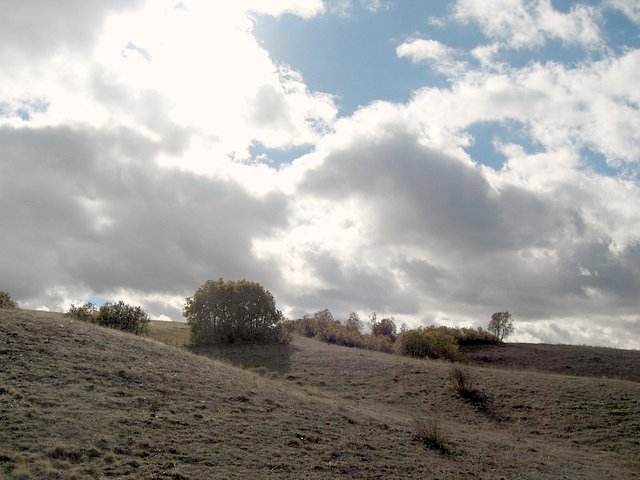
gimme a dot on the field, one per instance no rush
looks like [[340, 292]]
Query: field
[[81, 401]]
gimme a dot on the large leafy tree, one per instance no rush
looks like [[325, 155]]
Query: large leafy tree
[[228, 311], [501, 325]]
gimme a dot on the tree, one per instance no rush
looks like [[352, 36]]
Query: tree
[[6, 301], [354, 323], [501, 325], [385, 327], [228, 311], [324, 316]]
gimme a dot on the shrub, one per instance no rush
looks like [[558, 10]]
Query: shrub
[[87, 312], [379, 344], [427, 342], [430, 433], [473, 336], [462, 381], [123, 317], [119, 316], [229, 311], [322, 326], [6, 301], [463, 385]]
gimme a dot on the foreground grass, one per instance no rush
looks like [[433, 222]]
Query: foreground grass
[[81, 401]]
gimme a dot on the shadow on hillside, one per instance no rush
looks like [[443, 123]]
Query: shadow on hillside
[[275, 358]]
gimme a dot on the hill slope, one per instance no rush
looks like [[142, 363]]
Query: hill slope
[[566, 359], [80, 401]]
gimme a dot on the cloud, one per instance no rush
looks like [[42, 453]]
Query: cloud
[[419, 50], [304, 9], [593, 105], [39, 29], [519, 24], [441, 238], [127, 172], [630, 8], [102, 220]]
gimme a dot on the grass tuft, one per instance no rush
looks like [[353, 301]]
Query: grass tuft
[[430, 433], [464, 385]]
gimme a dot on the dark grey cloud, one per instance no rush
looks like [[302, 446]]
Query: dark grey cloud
[[351, 288], [424, 197], [86, 209]]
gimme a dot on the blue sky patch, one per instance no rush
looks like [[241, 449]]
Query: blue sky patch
[[277, 157], [487, 134], [354, 56], [25, 108]]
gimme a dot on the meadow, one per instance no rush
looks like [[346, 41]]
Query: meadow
[[82, 401]]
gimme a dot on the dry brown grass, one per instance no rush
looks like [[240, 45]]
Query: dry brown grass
[[80, 401], [175, 334], [564, 359]]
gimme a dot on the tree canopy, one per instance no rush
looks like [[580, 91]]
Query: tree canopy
[[228, 311], [501, 325]]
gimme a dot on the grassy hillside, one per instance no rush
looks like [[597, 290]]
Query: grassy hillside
[[566, 359], [80, 401]]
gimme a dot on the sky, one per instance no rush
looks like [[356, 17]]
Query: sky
[[432, 161]]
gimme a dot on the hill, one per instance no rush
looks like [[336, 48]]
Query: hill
[[566, 359], [81, 401]]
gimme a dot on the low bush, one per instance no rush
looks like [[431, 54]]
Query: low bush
[[463, 385], [462, 381], [322, 326], [86, 312], [430, 433], [428, 342], [6, 301], [119, 316], [469, 336], [123, 317]]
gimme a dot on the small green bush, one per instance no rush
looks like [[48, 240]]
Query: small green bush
[[119, 316], [6, 301], [123, 317], [428, 342], [86, 312]]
